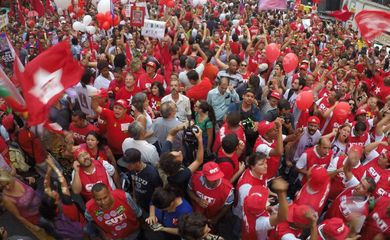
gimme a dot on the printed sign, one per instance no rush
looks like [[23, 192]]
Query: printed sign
[[137, 16], [4, 20], [5, 49], [154, 29]]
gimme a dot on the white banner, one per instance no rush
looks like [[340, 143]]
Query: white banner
[[4, 20], [154, 29]]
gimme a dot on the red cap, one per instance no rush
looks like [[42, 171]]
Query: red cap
[[151, 64], [121, 103], [334, 227], [325, 50], [319, 178], [356, 148], [8, 122], [314, 119], [77, 152], [276, 95], [361, 111], [303, 66], [265, 126], [212, 172], [297, 214], [256, 201]]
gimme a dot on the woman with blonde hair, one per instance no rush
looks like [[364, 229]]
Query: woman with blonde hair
[[20, 200]]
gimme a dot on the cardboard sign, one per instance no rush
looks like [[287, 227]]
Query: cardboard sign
[[5, 49], [154, 29], [128, 9], [137, 16]]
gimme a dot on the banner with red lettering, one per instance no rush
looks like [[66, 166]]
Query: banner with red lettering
[[372, 23]]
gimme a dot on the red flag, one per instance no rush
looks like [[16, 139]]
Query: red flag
[[18, 67], [45, 79], [20, 13], [342, 15], [372, 23], [49, 7], [38, 6], [129, 56]]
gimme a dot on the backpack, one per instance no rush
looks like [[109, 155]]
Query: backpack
[[18, 159]]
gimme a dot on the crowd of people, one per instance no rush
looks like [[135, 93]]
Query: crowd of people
[[198, 136]]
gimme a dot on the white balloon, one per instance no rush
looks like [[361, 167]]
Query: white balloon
[[64, 4], [87, 20], [76, 26], [203, 2], [103, 6], [83, 28], [124, 2], [195, 2], [60, 11], [91, 30]]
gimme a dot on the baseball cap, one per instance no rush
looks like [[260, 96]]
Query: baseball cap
[[297, 214], [212, 172], [103, 93], [318, 178], [121, 103], [303, 66], [334, 227], [77, 152], [131, 155], [314, 119], [361, 111], [276, 95], [263, 67], [265, 126], [151, 64], [256, 201]]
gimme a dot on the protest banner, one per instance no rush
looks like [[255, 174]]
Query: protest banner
[[5, 49], [154, 29], [137, 16]]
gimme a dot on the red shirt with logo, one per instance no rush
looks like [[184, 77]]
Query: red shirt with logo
[[378, 221], [316, 200], [144, 81], [99, 175], [79, 134], [118, 222], [216, 197], [381, 177], [127, 95], [116, 129]]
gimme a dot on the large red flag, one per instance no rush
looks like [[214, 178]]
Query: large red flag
[[372, 23], [20, 14], [38, 6], [343, 15], [49, 7], [46, 78]]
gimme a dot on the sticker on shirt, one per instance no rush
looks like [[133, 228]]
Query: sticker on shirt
[[124, 127]]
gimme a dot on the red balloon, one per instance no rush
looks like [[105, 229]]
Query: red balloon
[[80, 12], [116, 20], [108, 16], [31, 23], [272, 52], [25, 11], [171, 4], [163, 2], [100, 16], [106, 25], [293, 26], [304, 100], [70, 8], [341, 111], [290, 62]]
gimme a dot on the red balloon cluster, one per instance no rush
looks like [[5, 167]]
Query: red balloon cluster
[[106, 21], [78, 10], [168, 3]]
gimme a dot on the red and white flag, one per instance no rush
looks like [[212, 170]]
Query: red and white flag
[[372, 23], [46, 78], [343, 15]]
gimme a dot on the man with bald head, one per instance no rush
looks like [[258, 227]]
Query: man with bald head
[[319, 155]]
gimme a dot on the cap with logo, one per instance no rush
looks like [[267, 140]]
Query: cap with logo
[[314, 120], [212, 172], [265, 126], [335, 228]]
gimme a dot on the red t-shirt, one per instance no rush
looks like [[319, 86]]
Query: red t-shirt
[[378, 221], [200, 91], [115, 86], [154, 102], [116, 130], [228, 168], [79, 134], [144, 81], [124, 94]]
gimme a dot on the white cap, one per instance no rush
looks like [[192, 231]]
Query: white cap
[[263, 67]]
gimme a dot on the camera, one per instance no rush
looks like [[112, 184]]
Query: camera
[[287, 118], [189, 135], [248, 124]]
